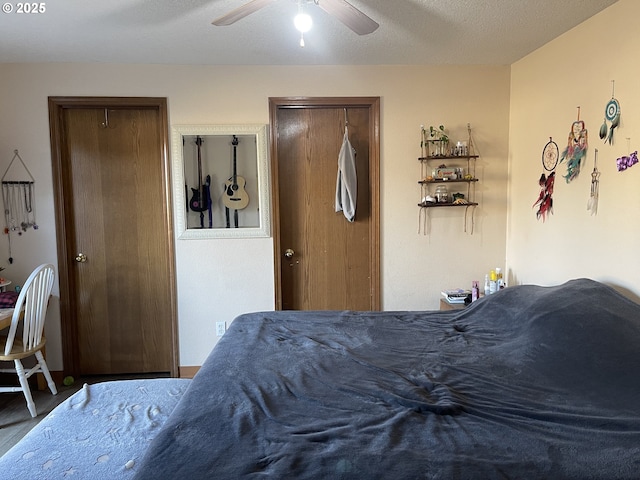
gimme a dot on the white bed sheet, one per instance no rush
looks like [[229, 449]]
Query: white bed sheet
[[101, 431]]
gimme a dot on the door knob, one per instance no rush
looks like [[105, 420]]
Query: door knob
[[81, 258], [288, 253]]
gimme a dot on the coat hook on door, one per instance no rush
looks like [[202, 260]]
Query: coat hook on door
[[346, 118]]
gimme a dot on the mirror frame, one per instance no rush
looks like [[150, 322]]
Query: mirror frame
[[262, 171]]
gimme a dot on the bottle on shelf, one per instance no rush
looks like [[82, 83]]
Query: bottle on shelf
[[442, 194], [493, 286], [499, 278], [475, 291]]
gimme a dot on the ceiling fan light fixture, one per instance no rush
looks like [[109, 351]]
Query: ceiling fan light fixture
[[303, 22]]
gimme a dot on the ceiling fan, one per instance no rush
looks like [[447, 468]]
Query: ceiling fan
[[341, 9]]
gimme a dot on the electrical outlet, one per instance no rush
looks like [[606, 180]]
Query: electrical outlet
[[221, 327]]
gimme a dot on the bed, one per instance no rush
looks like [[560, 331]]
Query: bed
[[529, 383], [99, 432]]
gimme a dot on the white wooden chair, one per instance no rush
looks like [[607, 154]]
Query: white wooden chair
[[30, 310]]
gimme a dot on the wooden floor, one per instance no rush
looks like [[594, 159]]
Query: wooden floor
[[15, 419]]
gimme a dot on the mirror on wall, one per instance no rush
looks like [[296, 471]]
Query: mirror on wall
[[221, 184]]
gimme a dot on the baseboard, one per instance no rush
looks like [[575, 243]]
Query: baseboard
[[42, 382], [188, 372], [185, 372], [56, 375]]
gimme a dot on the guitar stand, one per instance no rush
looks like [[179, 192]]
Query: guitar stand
[[235, 217], [210, 214]]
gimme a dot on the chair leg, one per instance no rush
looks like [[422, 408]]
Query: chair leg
[[45, 371], [24, 383]]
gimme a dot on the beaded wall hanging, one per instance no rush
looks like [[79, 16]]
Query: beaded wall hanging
[[18, 197]]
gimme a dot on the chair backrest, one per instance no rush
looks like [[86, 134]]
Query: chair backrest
[[32, 307]]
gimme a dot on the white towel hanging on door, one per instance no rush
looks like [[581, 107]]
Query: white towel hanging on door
[[347, 181]]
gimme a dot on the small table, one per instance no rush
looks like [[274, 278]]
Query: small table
[[4, 284], [6, 314], [444, 305]]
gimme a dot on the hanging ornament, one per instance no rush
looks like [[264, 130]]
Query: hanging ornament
[[549, 162], [576, 149], [592, 203], [550, 155], [545, 200], [627, 161], [612, 114]]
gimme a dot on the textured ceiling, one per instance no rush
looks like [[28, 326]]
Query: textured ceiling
[[411, 32]]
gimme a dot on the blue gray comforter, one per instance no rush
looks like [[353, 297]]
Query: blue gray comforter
[[529, 383]]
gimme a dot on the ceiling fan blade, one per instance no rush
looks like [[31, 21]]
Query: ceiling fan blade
[[241, 12], [349, 15]]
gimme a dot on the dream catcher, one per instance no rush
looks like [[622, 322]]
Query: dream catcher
[[576, 149], [611, 114], [592, 204], [549, 162], [18, 197]]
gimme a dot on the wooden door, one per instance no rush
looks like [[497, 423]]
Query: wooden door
[[115, 238], [334, 264]]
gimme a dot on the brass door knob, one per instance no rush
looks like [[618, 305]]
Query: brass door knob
[[288, 253], [81, 258]]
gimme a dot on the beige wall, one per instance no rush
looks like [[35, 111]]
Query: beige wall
[[414, 267], [513, 111], [547, 86]]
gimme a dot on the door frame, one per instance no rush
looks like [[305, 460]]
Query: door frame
[[64, 229], [373, 106]]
